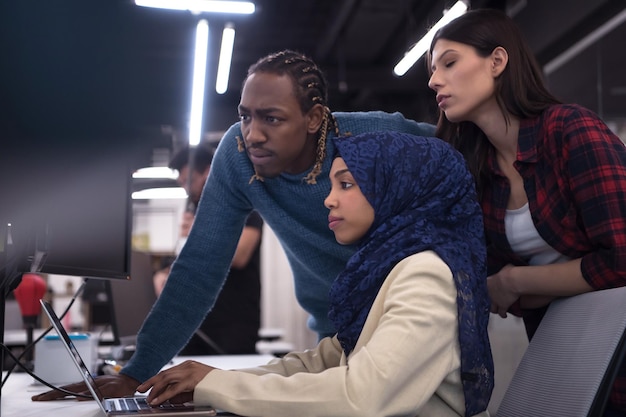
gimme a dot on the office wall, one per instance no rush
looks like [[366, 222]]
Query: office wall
[[279, 306], [156, 225]]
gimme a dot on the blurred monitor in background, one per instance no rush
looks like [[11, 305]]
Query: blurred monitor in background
[[122, 305]]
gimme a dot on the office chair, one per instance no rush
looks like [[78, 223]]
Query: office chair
[[571, 362]]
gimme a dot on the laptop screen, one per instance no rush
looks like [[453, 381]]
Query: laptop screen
[[67, 341], [170, 409]]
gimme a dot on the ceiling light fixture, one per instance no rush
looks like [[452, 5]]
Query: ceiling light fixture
[[160, 193], [199, 79], [199, 6], [201, 53], [226, 55], [156, 172], [420, 48], [584, 43]]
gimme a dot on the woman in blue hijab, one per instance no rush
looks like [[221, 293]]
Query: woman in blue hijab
[[411, 307], [424, 200]]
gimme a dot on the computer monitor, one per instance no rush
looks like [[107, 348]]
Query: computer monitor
[[65, 210]]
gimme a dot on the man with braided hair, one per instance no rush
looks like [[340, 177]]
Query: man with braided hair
[[276, 161]]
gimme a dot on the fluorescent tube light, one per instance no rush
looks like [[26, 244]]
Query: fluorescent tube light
[[420, 48], [156, 172], [584, 43], [160, 193], [199, 78], [197, 6], [226, 55]]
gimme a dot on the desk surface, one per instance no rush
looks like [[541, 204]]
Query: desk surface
[[18, 337], [19, 388]]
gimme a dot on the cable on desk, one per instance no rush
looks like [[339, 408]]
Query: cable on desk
[[17, 361], [31, 373]]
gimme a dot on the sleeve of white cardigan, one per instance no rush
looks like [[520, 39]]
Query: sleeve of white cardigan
[[412, 347], [326, 354]]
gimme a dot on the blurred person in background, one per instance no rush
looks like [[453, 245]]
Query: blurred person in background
[[232, 326]]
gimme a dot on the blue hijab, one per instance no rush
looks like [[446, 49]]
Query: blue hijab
[[424, 199]]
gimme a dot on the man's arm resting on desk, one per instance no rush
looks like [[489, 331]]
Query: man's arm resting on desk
[[110, 386]]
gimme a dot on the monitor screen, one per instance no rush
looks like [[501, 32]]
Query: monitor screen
[[67, 208]]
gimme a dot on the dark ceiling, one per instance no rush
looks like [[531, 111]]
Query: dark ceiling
[[107, 72]]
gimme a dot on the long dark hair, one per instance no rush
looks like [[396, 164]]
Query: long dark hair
[[520, 90]]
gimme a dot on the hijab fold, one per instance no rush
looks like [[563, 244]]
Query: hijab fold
[[424, 198]]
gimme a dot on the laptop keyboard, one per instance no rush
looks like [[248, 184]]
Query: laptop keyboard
[[135, 404]]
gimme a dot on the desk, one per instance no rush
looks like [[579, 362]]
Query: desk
[[19, 388], [17, 338]]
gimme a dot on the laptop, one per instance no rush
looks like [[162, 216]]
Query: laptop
[[126, 406]]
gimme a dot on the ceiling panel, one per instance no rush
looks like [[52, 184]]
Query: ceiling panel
[[109, 69]]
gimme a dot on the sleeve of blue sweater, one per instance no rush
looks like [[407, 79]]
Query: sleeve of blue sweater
[[200, 270]]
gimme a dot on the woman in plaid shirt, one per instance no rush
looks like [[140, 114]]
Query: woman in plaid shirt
[[551, 177]]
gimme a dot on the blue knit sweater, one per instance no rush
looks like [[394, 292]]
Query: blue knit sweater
[[295, 212]]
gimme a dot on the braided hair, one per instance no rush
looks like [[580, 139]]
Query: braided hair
[[310, 87]]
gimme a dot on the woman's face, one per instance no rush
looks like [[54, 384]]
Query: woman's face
[[351, 215], [463, 80]]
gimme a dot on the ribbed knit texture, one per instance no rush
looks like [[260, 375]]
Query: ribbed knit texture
[[566, 360], [294, 211]]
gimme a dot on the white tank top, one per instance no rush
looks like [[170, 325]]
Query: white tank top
[[525, 240]]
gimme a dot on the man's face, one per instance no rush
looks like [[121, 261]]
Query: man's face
[[194, 190], [278, 136]]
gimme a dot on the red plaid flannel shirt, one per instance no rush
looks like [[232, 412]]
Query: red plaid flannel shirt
[[574, 172]]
